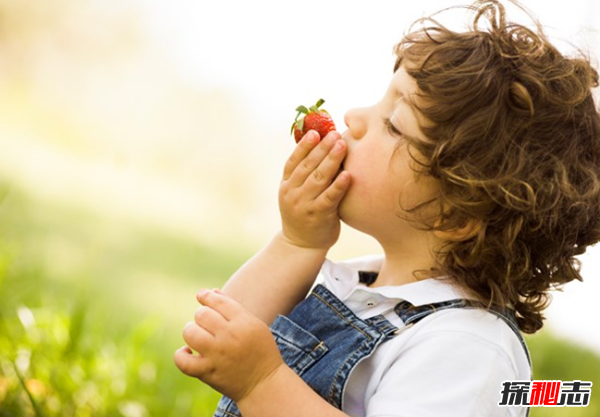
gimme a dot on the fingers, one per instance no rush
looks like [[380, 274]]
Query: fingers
[[302, 149], [201, 335], [188, 363], [209, 319], [197, 338], [332, 196], [308, 157], [322, 176], [221, 304]]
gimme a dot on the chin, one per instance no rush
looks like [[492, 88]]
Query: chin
[[354, 219], [351, 211], [343, 209]]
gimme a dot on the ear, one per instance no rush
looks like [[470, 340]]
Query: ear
[[458, 234]]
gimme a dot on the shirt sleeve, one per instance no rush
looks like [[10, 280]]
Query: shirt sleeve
[[445, 373]]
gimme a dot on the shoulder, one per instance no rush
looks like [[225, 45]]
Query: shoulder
[[452, 360], [466, 326], [469, 334]]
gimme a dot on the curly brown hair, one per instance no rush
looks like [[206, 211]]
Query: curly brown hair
[[515, 144]]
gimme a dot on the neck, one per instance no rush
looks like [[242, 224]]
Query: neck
[[408, 262]]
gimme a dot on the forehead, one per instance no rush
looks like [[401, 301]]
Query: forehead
[[403, 85], [405, 93]]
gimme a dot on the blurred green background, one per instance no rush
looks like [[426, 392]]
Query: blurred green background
[[124, 188], [91, 310]]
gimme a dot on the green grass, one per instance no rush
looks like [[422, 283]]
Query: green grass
[[91, 311], [74, 358]]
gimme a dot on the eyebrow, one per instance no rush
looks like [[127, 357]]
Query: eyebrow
[[399, 94], [404, 98], [414, 110], [403, 131]]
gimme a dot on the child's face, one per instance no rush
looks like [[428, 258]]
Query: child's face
[[384, 181]]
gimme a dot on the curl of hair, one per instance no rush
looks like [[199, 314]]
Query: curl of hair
[[515, 144]]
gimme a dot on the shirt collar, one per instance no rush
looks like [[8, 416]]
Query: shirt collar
[[343, 279]]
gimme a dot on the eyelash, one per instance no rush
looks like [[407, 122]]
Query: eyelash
[[391, 128]]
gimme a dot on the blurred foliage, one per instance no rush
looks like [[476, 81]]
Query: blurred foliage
[[92, 303], [74, 342]]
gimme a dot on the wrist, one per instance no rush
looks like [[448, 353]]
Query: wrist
[[264, 389], [298, 245], [285, 393]]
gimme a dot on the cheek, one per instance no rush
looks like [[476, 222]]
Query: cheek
[[374, 190], [366, 162], [418, 191], [367, 175]]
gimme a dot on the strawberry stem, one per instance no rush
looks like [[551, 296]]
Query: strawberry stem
[[303, 110]]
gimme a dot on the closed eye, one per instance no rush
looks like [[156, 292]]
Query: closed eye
[[391, 128]]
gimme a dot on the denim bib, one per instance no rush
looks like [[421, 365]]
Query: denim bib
[[322, 340]]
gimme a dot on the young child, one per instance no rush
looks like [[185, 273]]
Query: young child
[[478, 172]]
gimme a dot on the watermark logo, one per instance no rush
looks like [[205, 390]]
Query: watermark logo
[[546, 393]]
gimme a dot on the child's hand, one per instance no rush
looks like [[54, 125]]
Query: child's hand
[[236, 351], [310, 193]]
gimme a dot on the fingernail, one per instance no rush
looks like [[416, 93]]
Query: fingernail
[[338, 146], [312, 137], [334, 135]]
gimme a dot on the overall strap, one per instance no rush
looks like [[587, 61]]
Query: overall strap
[[411, 315], [322, 340]]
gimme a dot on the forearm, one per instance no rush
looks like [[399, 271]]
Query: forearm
[[285, 394], [275, 279], [279, 276]]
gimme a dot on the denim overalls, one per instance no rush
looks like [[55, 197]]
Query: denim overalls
[[322, 340]]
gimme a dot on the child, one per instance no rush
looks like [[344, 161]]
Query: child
[[478, 172]]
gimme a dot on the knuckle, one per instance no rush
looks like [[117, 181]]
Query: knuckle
[[306, 165], [209, 370], [327, 195], [290, 164], [318, 175], [311, 211], [289, 197], [323, 204], [188, 332], [186, 367], [284, 188], [333, 156], [182, 364], [200, 314], [216, 303], [329, 199], [292, 160]]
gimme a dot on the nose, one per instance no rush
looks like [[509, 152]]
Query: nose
[[356, 120]]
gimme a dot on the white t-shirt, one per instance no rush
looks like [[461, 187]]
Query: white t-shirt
[[451, 363]]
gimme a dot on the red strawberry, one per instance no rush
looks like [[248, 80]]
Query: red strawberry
[[314, 119]]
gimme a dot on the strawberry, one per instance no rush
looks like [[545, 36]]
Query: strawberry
[[314, 119]]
